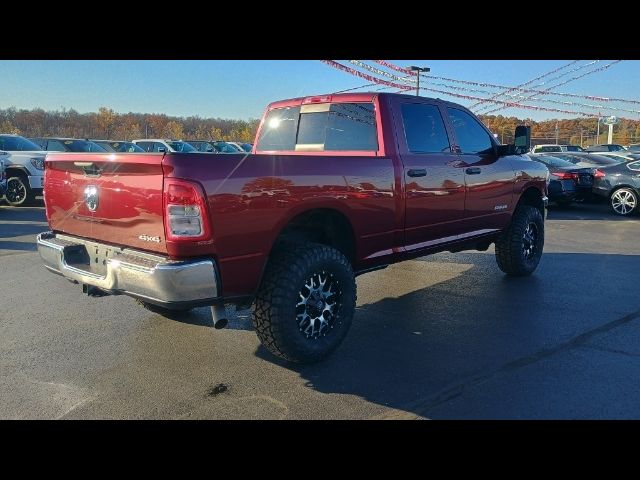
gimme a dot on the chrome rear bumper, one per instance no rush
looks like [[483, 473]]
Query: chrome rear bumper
[[114, 270]]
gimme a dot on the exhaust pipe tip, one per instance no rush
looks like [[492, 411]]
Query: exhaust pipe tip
[[219, 315], [220, 324]]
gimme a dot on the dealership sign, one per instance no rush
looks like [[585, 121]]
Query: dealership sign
[[610, 120]]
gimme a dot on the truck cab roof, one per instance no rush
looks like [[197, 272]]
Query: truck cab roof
[[354, 97]]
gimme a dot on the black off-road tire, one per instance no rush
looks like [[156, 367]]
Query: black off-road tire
[[274, 311], [20, 185], [165, 312], [512, 253]]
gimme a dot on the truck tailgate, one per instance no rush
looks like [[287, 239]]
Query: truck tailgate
[[113, 198]]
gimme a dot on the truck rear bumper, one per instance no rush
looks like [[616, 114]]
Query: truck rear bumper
[[113, 270]]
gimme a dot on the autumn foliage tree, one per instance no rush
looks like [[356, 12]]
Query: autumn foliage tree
[[106, 118], [7, 127], [575, 131], [107, 124], [173, 129]]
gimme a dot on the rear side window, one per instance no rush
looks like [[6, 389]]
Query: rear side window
[[320, 127], [280, 129], [424, 129], [471, 136], [146, 146], [634, 166]]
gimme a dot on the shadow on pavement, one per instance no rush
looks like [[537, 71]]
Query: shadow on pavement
[[22, 246], [21, 222], [9, 230], [591, 210], [403, 352], [22, 214]]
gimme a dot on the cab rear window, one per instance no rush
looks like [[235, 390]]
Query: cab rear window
[[320, 127]]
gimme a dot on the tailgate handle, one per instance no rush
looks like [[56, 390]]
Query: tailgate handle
[[88, 168]]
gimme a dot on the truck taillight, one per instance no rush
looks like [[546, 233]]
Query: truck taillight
[[185, 211]]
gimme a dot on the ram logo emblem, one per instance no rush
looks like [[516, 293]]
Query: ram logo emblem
[[91, 197]]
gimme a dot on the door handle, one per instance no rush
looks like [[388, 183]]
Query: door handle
[[417, 172], [473, 171]]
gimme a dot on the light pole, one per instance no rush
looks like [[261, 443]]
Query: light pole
[[418, 70]]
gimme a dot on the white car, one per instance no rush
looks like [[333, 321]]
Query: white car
[[164, 145], [555, 148], [24, 164]]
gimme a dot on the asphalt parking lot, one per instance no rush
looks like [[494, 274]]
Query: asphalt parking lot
[[443, 337]]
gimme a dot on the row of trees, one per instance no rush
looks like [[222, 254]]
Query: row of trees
[[575, 131], [108, 124]]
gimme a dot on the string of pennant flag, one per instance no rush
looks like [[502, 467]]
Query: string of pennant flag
[[515, 96], [506, 87], [401, 84], [380, 81]]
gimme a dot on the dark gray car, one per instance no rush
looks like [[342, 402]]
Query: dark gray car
[[621, 186]]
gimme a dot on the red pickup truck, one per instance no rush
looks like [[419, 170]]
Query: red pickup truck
[[335, 186]]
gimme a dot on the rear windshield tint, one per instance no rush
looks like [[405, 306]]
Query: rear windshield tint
[[321, 127]]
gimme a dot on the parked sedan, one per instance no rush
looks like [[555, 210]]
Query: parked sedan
[[163, 145], [67, 145], [117, 146], [626, 156], [568, 182], [607, 147], [620, 184], [589, 159], [242, 147], [213, 146]]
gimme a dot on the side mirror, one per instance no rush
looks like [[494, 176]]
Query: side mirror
[[522, 139]]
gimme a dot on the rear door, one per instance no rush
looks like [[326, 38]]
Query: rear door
[[113, 198], [489, 179], [433, 177], [634, 167]]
